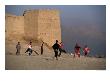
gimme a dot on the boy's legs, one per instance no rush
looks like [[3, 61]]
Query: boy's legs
[[30, 52], [74, 55], [78, 54], [85, 53], [41, 51], [18, 52], [27, 50], [56, 54], [60, 52]]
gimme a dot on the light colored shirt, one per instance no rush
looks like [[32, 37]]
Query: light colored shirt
[[30, 46]]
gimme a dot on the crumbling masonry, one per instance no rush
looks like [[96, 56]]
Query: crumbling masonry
[[34, 25]]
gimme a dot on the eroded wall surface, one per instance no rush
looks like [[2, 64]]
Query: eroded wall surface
[[14, 26], [41, 25]]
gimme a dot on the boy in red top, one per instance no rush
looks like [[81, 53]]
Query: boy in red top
[[77, 50], [60, 48], [86, 50]]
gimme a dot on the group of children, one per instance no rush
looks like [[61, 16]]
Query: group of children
[[57, 47], [77, 49], [29, 49]]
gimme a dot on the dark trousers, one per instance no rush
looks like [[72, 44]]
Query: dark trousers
[[29, 50], [18, 52], [60, 51], [41, 50], [85, 53], [56, 54]]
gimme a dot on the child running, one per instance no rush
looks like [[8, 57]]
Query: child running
[[29, 48], [77, 50], [86, 50]]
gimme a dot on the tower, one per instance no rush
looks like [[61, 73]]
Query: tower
[[42, 25]]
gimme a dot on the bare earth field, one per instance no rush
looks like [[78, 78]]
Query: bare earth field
[[47, 62]]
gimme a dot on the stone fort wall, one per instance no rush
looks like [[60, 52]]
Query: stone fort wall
[[14, 26], [35, 25]]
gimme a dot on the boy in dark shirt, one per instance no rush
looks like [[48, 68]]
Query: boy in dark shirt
[[42, 48], [56, 48]]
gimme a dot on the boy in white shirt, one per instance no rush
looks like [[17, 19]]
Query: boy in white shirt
[[29, 48]]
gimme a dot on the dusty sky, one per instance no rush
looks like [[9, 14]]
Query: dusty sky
[[84, 24]]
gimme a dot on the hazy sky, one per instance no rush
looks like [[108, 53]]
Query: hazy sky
[[83, 24]]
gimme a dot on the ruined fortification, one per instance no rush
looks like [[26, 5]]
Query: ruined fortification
[[41, 25], [14, 26]]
